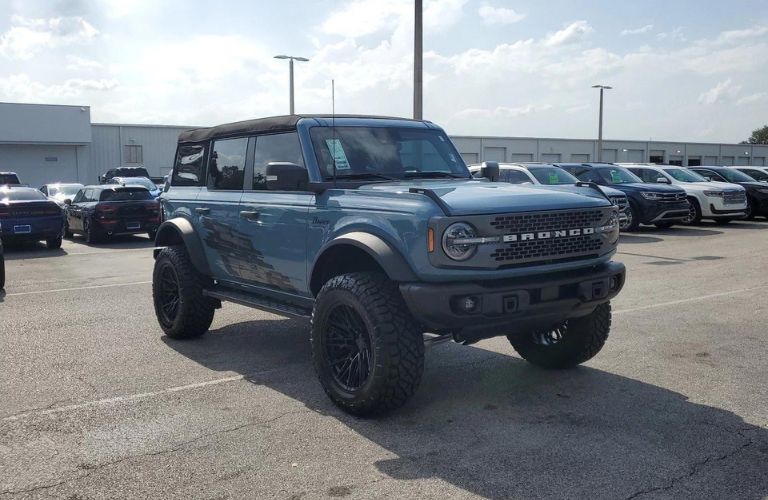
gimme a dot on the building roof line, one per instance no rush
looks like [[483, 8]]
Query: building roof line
[[637, 141]]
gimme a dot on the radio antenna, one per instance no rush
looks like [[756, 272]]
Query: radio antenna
[[333, 127]]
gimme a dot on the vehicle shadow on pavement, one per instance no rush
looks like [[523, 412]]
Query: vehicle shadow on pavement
[[20, 251], [495, 426], [117, 242]]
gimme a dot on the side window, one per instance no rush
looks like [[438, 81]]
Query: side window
[[79, 197], [44, 190], [227, 165], [188, 170], [755, 174], [590, 176], [88, 195], [647, 174], [271, 148], [514, 177]]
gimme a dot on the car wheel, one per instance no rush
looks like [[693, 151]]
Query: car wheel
[[571, 343], [367, 350], [54, 243], [633, 220], [92, 234], [694, 212], [177, 292], [750, 212], [67, 232]]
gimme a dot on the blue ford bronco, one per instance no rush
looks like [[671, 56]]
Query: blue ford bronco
[[374, 228]]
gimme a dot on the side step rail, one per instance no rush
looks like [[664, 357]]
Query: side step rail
[[258, 302]]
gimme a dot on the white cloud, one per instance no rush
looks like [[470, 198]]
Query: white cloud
[[578, 108], [756, 98], [738, 35], [674, 35], [572, 33], [499, 15], [720, 92], [29, 36], [20, 87], [637, 31], [502, 111], [81, 63]]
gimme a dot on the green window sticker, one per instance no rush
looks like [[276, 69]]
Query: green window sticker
[[553, 178], [615, 177], [337, 152]]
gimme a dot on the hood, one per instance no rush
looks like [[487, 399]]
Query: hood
[[609, 191], [469, 197], [648, 186], [754, 185], [710, 186]]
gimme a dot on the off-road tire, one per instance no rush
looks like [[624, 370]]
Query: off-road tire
[[634, 215], [396, 343], [194, 313], [54, 243], [695, 209], [582, 339]]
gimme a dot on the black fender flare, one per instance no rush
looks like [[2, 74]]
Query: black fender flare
[[180, 231], [390, 260]]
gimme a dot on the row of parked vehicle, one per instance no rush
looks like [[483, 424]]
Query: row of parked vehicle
[[660, 195]]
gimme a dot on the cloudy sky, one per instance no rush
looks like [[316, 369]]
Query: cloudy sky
[[681, 70]]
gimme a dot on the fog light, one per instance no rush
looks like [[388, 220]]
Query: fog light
[[466, 305]]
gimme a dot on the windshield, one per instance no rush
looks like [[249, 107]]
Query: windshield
[[552, 175], [733, 175], [125, 194], [684, 175], [617, 175], [8, 179], [139, 181], [757, 174], [385, 152], [25, 195], [64, 190]]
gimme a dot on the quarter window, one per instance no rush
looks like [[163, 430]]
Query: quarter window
[[274, 148], [227, 165], [188, 170]]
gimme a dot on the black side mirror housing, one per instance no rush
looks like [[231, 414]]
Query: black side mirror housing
[[286, 176], [662, 180], [490, 170]]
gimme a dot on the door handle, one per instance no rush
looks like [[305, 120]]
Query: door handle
[[203, 211], [251, 215]]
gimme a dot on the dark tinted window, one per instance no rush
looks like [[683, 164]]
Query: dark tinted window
[[646, 174], [514, 176], [712, 175], [617, 175], [8, 179], [227, 165], [274, 148], [755, 174], [125, 194], [25, 195], [552, 176], [131, 172], [188, 170]]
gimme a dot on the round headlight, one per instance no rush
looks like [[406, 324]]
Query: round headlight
[[452, 237]]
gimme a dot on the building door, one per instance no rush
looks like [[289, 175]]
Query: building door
[[635, 155], [495, 154], [743, 160], [656, 156], [40, 164], [609, 155], [470, 158], [676, 160], [551, 158], [727, 161], [521, 157], [694, 161], [758, 161], [579, 158], [710, 161]]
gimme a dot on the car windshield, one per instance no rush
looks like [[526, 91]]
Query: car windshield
[[684, 175], [386, 153], [552, 175], [139, 181], [64, 189], [617, 175], [21, 195], [125, 194], [8, 179], [757, 174], [733, 175]]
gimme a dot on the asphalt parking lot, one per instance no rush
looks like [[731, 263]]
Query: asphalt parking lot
[[96, 403]]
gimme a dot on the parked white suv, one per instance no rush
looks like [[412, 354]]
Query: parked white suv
[[719, 201], [550, 175]]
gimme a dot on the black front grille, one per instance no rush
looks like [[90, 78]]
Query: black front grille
[[548, 248], [546, 221], [734, 197], [672, 197], [619, 201]]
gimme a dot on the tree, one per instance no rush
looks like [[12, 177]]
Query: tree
[[759, 136]]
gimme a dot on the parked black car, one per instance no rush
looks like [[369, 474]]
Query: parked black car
[[123, 172], [26, 214], [657, 204], [757, 192], [108, 210]]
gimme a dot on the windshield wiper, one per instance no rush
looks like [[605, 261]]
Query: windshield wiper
[[435, 174], [365, 175]]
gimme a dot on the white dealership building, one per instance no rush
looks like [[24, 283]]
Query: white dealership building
[[50, 143]]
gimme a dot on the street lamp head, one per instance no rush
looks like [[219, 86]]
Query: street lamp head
[[302, 59], [282, 57], [606, 87], [295, 58]]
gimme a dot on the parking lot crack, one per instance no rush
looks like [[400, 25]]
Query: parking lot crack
[[94, 468], [696, 468]]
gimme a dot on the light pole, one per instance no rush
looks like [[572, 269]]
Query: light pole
[[290, 73], [600, 126], [418, 53]]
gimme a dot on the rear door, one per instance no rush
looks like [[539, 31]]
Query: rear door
[[218, 209], [274, 223]]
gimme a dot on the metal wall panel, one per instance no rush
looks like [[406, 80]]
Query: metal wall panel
[[40, 164]]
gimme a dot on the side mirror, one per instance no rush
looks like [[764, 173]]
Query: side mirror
[[490, 170], [662, 180], [68, 202], [708, 179], [286, 176]]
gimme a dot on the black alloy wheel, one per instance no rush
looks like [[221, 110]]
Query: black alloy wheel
[[168, 293], [347, 348], [694, 213]]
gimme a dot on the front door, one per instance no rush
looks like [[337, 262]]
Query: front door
[[274, 223]]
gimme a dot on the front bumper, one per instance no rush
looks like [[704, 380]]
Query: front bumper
[[511, 305], [658, 211]]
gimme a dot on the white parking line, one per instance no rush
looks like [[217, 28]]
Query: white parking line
[[135, 283], [121, 399], [690, 299]]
